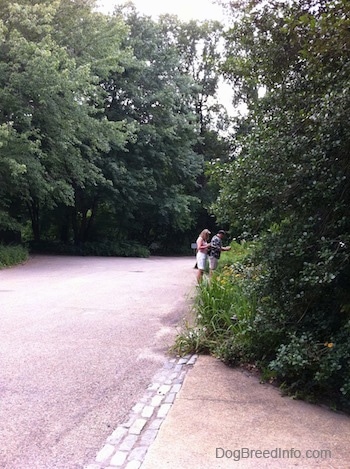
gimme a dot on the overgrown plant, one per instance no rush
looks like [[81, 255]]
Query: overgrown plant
[[12, 255], [289, 185], [223, 308]]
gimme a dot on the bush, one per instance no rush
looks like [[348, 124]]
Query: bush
[[12, 255], [301, 211], [304, 344], [102, 248], [304, 304], [315, 370], [241, 321], [224, 309]]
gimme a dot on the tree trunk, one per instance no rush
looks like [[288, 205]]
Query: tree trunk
[[34, 212]]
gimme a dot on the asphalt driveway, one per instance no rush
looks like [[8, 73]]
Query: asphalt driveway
[[80, 339]]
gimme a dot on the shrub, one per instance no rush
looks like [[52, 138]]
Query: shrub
[[240, 320], [12, 255], [315, 370], [223, 309], [300, 211], [101, 248]]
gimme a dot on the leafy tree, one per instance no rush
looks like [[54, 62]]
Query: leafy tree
[[52, 104], [105, 121], [200, 45], [290, 181], [94, 41], [155, 178]]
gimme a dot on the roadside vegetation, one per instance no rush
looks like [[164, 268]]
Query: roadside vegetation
[[105, 248], [285, 307], [12, 255], [234, 321], [224, 309], [218, 305]]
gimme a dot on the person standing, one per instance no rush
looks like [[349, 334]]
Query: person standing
[[215, 250], [202, 252]]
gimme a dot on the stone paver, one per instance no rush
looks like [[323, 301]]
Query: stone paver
[[127, 446]]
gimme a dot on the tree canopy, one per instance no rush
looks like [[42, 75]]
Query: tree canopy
[[100, 122]]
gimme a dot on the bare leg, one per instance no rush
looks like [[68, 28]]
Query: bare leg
[[199, 275]]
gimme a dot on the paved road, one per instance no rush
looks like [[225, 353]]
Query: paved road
[[80, 340]]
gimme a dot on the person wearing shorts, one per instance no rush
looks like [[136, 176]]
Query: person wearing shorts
[[215, 250], [202, 253]]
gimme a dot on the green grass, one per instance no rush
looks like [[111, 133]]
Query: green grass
[[12, 255], [223, 308]]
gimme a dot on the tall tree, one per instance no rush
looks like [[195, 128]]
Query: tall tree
[[200, 45], [51, 101], [155, 178]]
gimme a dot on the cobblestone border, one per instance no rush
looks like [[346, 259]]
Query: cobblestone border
[[127, 446]]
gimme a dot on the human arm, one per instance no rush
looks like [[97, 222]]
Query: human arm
[[202, 245]]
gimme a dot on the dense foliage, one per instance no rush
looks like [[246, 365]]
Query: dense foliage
[[289, 186], [11, 255], [99, 125]]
